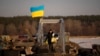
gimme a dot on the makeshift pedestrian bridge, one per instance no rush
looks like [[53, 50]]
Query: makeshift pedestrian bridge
[[61, 40]]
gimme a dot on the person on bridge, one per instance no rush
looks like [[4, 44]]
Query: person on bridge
[[49, 39]]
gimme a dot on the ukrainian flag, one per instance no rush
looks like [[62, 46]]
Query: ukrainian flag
[[37, 11]]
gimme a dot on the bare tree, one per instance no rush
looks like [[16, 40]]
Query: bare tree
[[11, 29], [93, 29], [33, 27], [69, 25], [1, 29], [46, 27], [20, 29], [77, 28], [26, 27]]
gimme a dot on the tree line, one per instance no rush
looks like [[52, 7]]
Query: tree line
[[83, 25]]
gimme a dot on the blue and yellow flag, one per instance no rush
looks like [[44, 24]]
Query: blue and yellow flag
[[37, 11]]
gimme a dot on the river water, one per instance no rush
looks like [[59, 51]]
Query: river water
[[86, 42]]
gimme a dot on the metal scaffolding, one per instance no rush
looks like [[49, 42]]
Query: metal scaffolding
[[61, 40]]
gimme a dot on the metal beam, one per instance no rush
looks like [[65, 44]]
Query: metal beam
[[49, 20]]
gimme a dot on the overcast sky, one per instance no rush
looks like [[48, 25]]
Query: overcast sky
[[10, 8]]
